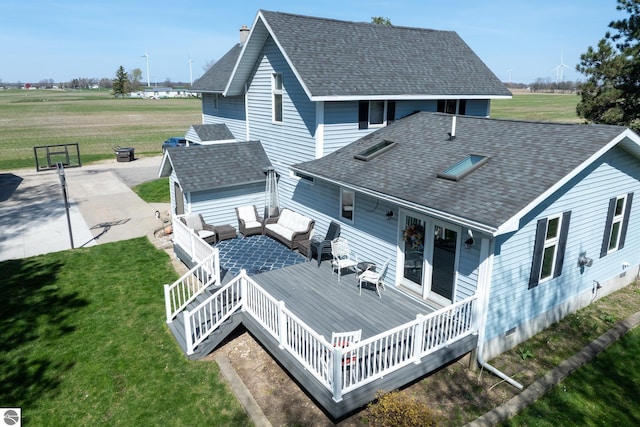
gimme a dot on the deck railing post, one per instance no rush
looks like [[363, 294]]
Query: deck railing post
[[418, 338], [188, 339], [192, 244], [167, 302], [244, 289], [282, 325], [337, 373], [216, 266]]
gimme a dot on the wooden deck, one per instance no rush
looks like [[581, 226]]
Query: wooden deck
[[314, 295]]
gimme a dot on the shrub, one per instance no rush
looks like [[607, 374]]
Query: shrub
[[395, 409]]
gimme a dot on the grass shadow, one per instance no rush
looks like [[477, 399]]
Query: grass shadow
[[33, 308]]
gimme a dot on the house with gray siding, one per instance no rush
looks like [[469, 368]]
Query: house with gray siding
[[386, 130]]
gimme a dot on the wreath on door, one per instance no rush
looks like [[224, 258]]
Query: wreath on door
[[413, 236]]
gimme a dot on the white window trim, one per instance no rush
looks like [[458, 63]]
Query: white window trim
[[353, 205], [384, 116], [548, 243], [277, 92], [617, 219]]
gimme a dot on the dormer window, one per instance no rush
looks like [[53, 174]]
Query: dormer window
[[463, 168]]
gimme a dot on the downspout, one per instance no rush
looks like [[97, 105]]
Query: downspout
[[486, 253]]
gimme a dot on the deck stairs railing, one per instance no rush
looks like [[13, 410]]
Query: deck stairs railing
[[189, 241], [340, 370], [194, 282]]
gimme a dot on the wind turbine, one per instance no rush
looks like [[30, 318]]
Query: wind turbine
[[147, 57], [559, 68], [190, 69]]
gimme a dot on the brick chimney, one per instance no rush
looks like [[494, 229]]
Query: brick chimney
[[244, 33]]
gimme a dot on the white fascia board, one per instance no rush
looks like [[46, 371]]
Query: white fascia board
[[473, 225], [166, 166], [403, 97], [513, 223], [225, 92], [286, 57]]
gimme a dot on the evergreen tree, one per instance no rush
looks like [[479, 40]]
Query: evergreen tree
[[121, 83], [611, 95]]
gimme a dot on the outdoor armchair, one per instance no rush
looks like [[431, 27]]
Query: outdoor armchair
[[320, 246], [249, 222]]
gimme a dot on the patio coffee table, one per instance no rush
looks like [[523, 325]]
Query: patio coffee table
[[225, 231]]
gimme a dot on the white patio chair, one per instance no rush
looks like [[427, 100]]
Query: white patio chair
[[342, 256], [350, 358], [374, 277]]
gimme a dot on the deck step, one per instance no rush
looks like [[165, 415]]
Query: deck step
[[211, 342]]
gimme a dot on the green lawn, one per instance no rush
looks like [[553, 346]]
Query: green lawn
[[602, 393], [540, 107], [156, 191], [95, 120], [85, 343]]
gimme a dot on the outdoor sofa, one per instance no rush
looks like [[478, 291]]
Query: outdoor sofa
[[289, 228]]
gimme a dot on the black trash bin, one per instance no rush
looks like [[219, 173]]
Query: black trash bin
[[125, 154]]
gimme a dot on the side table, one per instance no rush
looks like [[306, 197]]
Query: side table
[[225, 231], [304, 248]]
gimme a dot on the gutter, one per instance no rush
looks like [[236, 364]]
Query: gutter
[[474, 225]]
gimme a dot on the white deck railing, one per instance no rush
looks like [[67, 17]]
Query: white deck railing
[[183, 236], [179, 295], [211, 313], [340, 370]]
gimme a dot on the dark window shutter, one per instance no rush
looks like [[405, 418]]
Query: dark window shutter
[[625, 221], [538, 249], [441, 105], [391, 111], [363, 115], [562, 243], [462, 107], [607, 228]]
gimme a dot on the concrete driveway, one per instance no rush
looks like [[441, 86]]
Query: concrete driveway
[[102, 207]]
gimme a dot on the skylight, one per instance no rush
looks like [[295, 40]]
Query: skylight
[[371, 152], [463, 167]]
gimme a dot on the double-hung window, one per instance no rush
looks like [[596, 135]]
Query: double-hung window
[[372, 114], [615, 230], [549, 248], [276, 89]]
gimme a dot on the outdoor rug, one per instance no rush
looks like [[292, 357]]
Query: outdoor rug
[[255, 254]]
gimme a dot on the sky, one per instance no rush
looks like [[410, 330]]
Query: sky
[[520, 41]]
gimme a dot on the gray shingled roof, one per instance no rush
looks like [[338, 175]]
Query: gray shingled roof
[[357, 59], [341, 58], [525, 160], [207, 167], [213, 132], [215, 78]]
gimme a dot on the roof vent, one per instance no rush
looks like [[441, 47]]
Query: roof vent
[[452, 134]]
